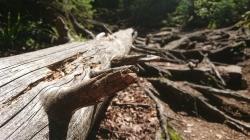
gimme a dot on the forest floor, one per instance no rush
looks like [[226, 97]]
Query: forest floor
[[132, 115]]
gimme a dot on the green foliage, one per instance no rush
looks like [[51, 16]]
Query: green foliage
[[78, 8], [173, 134], [28, 24], [217, 13], [245, 21], [109, 4], [150, 12], [211, 13], [137, 12], [82, 8], [17, 33], [181, 15], [32, 23]]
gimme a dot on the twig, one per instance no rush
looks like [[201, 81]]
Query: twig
[[110, 70], [78, 26], [113, 131], [214, 69], [104, 25], [134, 105], [135, 59]]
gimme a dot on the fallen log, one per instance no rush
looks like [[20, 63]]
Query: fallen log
[[51, 93]]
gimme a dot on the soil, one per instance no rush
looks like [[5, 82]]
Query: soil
[[195, 128], [131, 115], [140, 121], [136, 122]]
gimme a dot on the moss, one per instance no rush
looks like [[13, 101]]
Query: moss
[[173, 134]]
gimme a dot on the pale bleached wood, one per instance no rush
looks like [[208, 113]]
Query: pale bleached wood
[[24, 80]]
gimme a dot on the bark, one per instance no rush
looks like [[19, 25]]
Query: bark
[[51, 94]]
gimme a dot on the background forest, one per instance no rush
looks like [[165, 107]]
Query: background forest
[[27, 25]]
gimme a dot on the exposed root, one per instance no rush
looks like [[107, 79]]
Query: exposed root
[[196, 101], [160, 112]]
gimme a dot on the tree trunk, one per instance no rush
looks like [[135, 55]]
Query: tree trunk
[[51, 94]]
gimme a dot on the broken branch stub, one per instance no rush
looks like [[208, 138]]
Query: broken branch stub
[[60, 76], [86, 93], [61, 102]]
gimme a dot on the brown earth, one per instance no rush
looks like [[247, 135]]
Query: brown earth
[[139, 120]]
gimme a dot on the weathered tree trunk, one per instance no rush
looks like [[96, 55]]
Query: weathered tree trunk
[[51, 93]]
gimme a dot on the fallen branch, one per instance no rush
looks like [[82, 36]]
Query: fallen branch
[[134, 105], [98, 23], [80, 28], [134, 59]]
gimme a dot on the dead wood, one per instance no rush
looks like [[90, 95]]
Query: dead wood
[[79, 28], [162, 37], [177, 43], [230, 54], [96, 73], [222, 45], [98, 23], [60, 76], [63, 31], [134, 105], [186, 39], [134, 59], [166, 55], [61, 102]]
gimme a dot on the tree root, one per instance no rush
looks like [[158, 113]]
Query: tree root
[[160, 112], [196, 101]]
